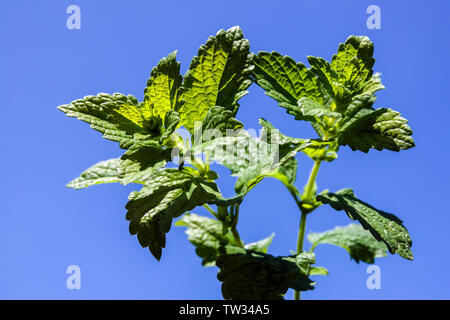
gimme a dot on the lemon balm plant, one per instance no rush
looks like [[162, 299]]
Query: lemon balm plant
[[175, 169]]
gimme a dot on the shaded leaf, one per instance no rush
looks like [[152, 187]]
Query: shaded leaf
[[206, 235], [359, 243], [248, 275]]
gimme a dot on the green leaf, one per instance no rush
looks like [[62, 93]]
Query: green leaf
[[354, 61], [311, 110], [142, 161], [166, 196], [377, 129], [322, 150], [163, 89], [261, 245], [217, 76], [383, 226], [359, 243], [206, 235], [102, 172], [285, 80], [318, 271], [171, 122], [215, 124], [253, 159], [249, 275], [350, 71], [98, 111]]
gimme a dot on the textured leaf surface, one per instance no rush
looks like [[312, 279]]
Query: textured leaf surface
[[98, 112], [378, 129], [163, 88], [215, 124], [142, 161], [285, 80], [102, 172], [218, 76], [206, 235], [359, 243], [248, 275], [168, 195], [253, 159], [383, 226], [350, 71]]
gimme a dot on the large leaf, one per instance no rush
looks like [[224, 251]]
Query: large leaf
[[98, 111], [249, 275], [206, 235], [107, 171], [378, 129], [359, 243], [217, 76], [163, 89], [383, 226], [166, 196]]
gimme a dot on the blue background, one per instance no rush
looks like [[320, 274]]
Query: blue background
[[46, 227]]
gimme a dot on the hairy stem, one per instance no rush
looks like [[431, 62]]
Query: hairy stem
[[307, 197]]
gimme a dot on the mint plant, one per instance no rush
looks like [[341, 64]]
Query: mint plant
[[174, 168]]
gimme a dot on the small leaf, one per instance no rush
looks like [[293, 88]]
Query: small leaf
[[102, 172], [359, 243], [318, 271], [142, 161], [383, 226], [261, 245], [206, 235], [248, 275], [217, 76]]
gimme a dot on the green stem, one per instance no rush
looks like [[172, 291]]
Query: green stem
[[210, 210], [234, 231], [306, 198]]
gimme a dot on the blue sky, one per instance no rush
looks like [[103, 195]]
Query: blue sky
[[46, 227]]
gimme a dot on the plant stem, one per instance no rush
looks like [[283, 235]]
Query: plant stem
[[306, 198], [234, 231], [210, 210]]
